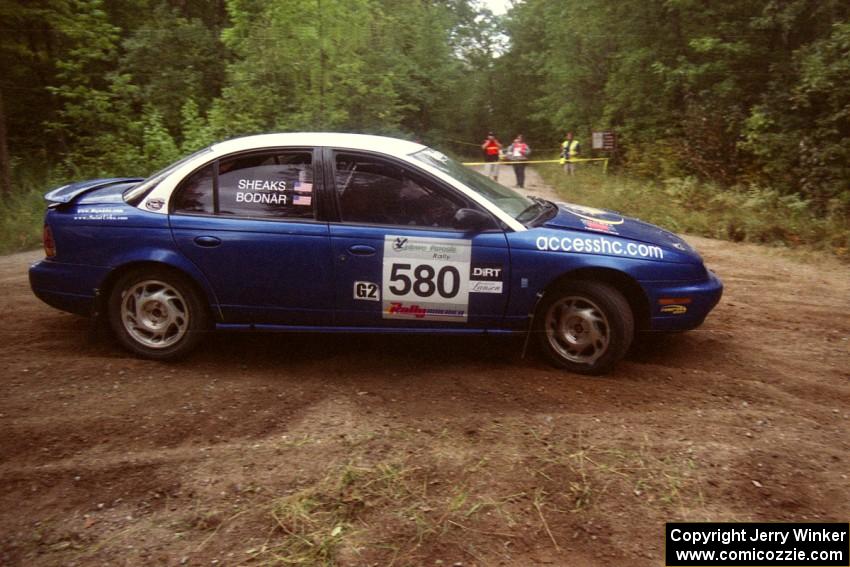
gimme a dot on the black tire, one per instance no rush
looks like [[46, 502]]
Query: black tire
[[164, 317], [585, 327]]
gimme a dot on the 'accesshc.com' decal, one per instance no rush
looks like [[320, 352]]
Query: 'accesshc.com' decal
[[598, 245]]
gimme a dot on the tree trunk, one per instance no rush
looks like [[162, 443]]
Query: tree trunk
[[5, 168], [322, 64]]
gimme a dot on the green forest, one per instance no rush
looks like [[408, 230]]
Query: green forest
[[745, 100]]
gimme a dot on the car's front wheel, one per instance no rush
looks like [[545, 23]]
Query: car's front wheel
[[156, 313], [585, 327]]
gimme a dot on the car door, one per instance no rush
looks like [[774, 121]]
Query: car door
[[248, 222], [399, 261]]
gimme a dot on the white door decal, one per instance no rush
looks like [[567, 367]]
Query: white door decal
[[426, 278]]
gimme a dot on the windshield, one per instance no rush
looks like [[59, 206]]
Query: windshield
[[135, 194], [509, 201]]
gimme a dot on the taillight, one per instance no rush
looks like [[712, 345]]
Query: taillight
[[49, 243]]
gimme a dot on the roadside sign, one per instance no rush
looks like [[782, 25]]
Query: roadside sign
[[604, 140]]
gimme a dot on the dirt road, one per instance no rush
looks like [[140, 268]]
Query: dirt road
[[423, 451]]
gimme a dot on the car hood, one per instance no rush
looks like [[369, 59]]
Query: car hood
[[108, 190], [603, 221]]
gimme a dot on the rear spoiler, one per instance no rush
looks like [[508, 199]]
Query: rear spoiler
[[67, 193]]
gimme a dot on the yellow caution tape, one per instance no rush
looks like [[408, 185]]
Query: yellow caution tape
[[464, 143], [506, 162], [571, 160]]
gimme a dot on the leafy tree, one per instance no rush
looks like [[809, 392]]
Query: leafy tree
[[737, 92], [171, 59], [95, 123], [194, 128], [158, 147], [27, 48], [302, 66], [801, 137], [416, 53]]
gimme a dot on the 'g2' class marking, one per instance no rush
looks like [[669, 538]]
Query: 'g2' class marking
[[367, 291]]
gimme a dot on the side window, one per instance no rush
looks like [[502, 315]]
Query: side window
[[195, 195], [276, 184], [371, 190]]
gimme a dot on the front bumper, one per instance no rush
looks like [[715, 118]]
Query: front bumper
[[68, 287], [697, 300]]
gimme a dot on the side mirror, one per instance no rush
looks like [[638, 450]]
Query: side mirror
[[472, 220]]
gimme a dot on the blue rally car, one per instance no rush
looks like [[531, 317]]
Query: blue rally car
[[354, 233]]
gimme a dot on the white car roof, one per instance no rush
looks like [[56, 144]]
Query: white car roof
[[402, 149], [392, 146]]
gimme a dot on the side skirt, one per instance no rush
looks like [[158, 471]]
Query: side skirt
[[372, 330]]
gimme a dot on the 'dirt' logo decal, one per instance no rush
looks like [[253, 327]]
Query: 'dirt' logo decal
[[482, 271]]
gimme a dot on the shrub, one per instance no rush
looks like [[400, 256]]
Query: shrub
[[741, 214]]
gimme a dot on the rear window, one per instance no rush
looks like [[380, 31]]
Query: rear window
[[267, 185], [273, 184], [134, 195], [195, 195]]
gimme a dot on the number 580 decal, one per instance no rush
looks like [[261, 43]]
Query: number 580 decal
[[425, 278]]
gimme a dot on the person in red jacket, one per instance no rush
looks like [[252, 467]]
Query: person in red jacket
[[491, 146]]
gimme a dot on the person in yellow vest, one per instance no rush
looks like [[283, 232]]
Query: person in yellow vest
[[569, 151]]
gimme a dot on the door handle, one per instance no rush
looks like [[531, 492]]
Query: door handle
[[207, 241], [361, 250]]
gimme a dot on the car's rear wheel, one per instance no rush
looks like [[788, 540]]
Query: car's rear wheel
[[584, 327], [156, 313]]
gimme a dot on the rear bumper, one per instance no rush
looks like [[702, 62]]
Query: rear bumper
[[698, 299], [68, 287]]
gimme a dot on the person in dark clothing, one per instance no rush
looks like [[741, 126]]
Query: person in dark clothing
[[518, 152]]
